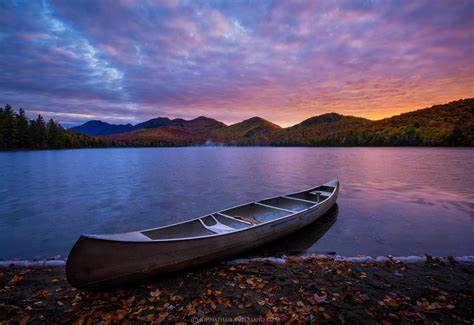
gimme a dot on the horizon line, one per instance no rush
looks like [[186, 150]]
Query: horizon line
[[256, 116]]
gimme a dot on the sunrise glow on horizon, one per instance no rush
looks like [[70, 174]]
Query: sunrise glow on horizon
[[129, 61]]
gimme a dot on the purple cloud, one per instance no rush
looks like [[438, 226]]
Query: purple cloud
[[127, 61]]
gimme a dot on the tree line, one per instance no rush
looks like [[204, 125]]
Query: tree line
[[450, 124], [19, 132]]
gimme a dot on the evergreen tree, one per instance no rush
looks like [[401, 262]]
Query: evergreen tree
[[24, 140], [2, 135], [17, 132], [53, 135], [38, 133], [9, 128]]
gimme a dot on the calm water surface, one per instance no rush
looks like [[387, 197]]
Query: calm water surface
[[398, 201]]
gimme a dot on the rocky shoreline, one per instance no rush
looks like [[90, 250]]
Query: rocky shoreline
[[309, 289]]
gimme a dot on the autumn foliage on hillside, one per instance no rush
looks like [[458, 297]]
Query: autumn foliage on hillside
[[450, 124]]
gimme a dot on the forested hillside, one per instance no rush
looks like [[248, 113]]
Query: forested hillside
[[450, 124]]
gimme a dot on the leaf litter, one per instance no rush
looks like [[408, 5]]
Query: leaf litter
[[299, 290]]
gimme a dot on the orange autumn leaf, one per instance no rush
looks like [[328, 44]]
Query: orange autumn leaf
[[177, 298], [16, 278], [24, 320], [42, 293]]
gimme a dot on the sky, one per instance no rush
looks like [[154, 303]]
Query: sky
[[126, 61]]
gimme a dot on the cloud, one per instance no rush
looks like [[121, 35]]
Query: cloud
[[283, 60]]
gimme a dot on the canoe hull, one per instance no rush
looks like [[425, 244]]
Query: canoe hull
[[96, 263]]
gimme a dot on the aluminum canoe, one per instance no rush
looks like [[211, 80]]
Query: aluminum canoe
[[98, 261]]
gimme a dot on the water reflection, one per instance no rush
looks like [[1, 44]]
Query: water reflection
[[301, 240], [399, 201]]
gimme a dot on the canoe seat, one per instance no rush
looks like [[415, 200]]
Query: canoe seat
[[320, 193], [220, 228], [212, 224]]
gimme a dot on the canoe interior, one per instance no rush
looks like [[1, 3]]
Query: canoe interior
[[243, 216], [288, 204], [306, 195], [189, 229], [256, 213]]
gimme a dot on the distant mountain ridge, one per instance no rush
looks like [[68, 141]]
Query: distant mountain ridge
[[328, 118], [450, 124], [96, 127], [154, 123]]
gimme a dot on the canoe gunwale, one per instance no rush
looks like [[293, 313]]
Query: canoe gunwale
[[334, 183]]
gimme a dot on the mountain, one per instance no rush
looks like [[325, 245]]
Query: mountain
[[451, 124], [169, 136], [96, 127], [313, 130], [200, 130], [177, 132], [330, 118], [252, 130], [154, 123], [201, 124]]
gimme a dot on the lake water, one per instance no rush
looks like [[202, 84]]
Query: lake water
[[399, 201]]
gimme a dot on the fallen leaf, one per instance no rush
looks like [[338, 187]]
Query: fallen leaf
[[391, 302], [322, 299], [120, 314], [24, 320], [42, 293], [156, 293], [16, 278], [177, 298]]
